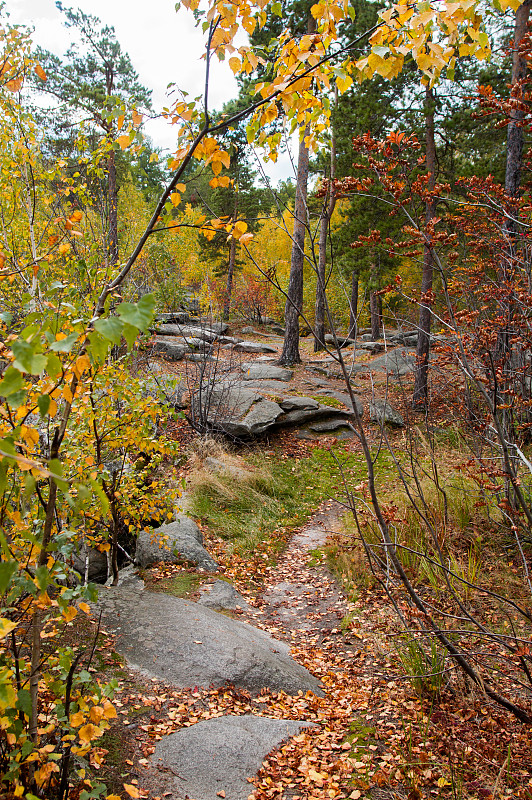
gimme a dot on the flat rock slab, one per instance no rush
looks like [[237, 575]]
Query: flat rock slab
[[266, 372], [395, 362], [253, 347], [219, 754], [186, 644]]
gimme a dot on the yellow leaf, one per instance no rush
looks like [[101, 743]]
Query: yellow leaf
[[113, 797], [442, 782], [63, 248], [213, 182], [120, 121], [82, 363], [175, 198], [131, 790], [6, 626], [67, 394], [77, 719], [69, 613], [96, 714], [109, 711], [245, 238], [137, 118], [180, 187], [235, 64], [123, 141], [88, 733], [240, 228], [154, 157], [84, 607], [40, 72]]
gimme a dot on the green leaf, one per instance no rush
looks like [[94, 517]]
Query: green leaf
[[277, 9], [138, 314], [98, 347], [130, 333], [44, 404], [12, 382], [111, 328], [42, 575], [53, 366], [24, 701], [64, 345], [6, 317], [7, 569], [26, 359]]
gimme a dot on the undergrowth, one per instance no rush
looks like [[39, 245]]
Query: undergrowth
[[275, 493]]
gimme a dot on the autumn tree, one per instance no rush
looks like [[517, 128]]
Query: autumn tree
[[95, 83]]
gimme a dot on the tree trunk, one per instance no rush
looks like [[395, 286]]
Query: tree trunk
[[229, 285], [420, 396], [321, 281], [112, 241], [353, 306], [375, 317], [294, 300], [514, 141]]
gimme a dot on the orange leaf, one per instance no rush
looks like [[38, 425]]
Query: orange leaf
[[40, 72], [15, 84], [131, 790], [123, 141], [89, 732]]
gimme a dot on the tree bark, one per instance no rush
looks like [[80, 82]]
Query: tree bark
[[421, 394], [375, 317], [294, 300], [112, 241], [514, 141], [321, 281], [353, 306], [229, 285]]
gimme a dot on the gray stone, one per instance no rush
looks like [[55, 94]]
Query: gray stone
[[217, 327], [344, 398], [222, 596], [219, 754], [370, 347], [331, 424], [395, 362], [185, 644], [179, 541], [228, 340], [236, 411], [267, 387], [342, 340], [254, 347], [198, 358], [247, 330], [97, 564], [266, 372], [382, 412], [169, 350], [303, 415], [293, 403]]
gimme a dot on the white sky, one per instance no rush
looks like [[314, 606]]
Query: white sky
[[164, 47]]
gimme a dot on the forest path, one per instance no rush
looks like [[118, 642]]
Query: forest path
[[214, 753]]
